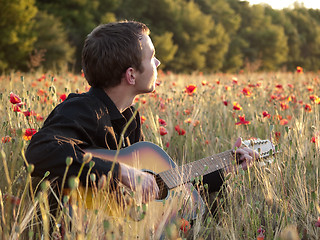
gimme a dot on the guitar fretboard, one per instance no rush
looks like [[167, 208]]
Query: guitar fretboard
[[188, 172]]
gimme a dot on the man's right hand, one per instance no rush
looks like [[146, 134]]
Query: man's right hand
[[130, 176]]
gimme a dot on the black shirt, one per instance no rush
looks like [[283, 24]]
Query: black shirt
[[83, 120]]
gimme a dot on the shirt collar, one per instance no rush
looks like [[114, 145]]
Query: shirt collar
[[116, 117]]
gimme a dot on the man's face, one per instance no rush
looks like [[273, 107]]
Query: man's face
[[146, 80]]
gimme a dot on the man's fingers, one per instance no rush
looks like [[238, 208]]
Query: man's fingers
[[237, 143]]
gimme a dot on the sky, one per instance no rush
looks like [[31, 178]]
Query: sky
[[279, 4]]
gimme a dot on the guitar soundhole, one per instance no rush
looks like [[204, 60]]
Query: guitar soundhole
[[164, 191]]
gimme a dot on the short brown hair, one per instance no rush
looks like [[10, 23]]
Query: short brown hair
[[110, 49]]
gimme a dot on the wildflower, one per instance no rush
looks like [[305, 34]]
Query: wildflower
[[310, 89], [190, 89], [283, 121], [266, 114], [6, 139], [39, 117], [180, 131], [290, 85], [196, 123], [143, 100], [27, 113], [167, 144], [14, 99], [29, 133], [204, 82], [236, 106], [187, 111], [284, 106], [299, 69], [279, 86], [246, 92], [307, 107], [162, 122], [188, 120], [227, 88], [242, 120], [277, 136], [235, 80], [261, 231], [16, 108], [225, 103], [207, 142], [185, 225], [217, 82], [163, 131], [63, 97], [142, 119], [314, 139]]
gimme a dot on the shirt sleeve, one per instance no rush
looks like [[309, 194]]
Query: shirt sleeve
[[214, 181], [69, 129]]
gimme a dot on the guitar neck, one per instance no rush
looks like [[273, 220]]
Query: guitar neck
[[188, 172]]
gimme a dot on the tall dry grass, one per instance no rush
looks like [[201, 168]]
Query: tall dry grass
[[280, 199]]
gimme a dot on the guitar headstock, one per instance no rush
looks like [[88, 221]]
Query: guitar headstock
[[265, 148]]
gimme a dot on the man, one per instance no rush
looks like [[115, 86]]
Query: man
[[119, 63]]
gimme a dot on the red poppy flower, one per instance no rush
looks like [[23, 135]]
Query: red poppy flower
[[284, 106], [16, 108], [163, 131], [185, 225], [307, 107], [242, 120], [225, 103], [284, 121], [227, 88], [14, 99], [236, 106], [279, 86], [266, 114], [29, 133], [204, 82], [299, 69], [190, 89], [6, 139], [142, 119], [217, 82], [27, 113], [180, 131], [63, 97], [188, 120], [39, 117], [162, 122], [290, 85], [235, 80], [310, 89], [246, 92], [313, 139], [187, 111]]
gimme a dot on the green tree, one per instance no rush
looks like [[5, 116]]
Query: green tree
[[307, 36], [79, 18], [52, 41], [16, 42]]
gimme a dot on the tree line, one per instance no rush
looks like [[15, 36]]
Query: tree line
[[189, 35]]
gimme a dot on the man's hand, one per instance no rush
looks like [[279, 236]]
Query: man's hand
[[149, 187], [245, 155]]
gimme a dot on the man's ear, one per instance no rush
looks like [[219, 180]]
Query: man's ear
[[130, 76]]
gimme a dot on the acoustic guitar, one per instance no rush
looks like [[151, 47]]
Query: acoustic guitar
[[177, 194]]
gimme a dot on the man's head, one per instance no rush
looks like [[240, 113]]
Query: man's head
[[111, 49]]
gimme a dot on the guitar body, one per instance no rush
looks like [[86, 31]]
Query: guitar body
[[177, 195], [148, 220]]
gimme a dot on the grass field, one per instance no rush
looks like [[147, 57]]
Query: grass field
[[190, 117]]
